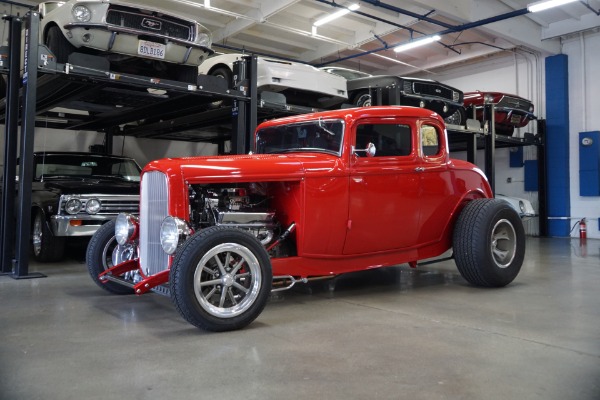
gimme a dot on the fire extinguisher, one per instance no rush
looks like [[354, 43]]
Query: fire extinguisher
[[582, 229]]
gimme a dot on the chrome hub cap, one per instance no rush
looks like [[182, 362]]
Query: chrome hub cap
[[227, 280], [503, 243]]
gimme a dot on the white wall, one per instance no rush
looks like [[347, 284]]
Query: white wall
[[523, 74], [142, 150], [584, 85], [518, 73]]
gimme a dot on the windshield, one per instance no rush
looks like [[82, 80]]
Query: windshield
[[349, 74], [318, 135], [52, 165]]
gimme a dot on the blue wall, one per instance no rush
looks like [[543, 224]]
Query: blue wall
[[557, 144]]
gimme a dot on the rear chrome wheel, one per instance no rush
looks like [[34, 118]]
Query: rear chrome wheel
[[489, 243]]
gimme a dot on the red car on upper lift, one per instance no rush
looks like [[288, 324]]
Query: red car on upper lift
[[510, 111]]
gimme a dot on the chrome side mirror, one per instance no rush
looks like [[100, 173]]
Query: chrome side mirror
[[369, 151]]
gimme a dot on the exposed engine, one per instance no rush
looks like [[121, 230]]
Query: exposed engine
[[244, 207]]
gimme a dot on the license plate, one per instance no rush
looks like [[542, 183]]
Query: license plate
[[151, 49], [515, 119]]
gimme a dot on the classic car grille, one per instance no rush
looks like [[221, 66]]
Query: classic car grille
[[110, 205], [433, 90], [165, 26], [514, 103], [153, 209]]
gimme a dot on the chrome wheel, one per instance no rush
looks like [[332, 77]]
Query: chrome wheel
[[227, 280], [503, 243], [364, 100], [37, 233]]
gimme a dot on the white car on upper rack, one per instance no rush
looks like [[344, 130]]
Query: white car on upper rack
[[302, 84], [155, 38]]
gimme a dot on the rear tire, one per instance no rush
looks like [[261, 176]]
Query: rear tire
[[489, 243], [187, 74], [99, 256], [221, 279]]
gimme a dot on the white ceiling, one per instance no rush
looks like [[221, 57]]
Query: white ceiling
[[284, 28]]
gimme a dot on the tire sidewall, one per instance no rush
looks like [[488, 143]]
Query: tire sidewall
[[503, 276], [473, 243], [184, 268], [94, 258]]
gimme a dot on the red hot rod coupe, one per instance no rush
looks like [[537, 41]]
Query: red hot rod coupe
[[321, 194]]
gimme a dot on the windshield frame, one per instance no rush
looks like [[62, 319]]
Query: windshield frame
[[323, 135], [42, 160]]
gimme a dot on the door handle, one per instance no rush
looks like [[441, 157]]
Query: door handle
[[419, 169]]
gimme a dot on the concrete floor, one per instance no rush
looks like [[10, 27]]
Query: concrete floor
[[384, 334]]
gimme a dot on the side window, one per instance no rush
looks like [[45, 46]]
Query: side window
[[430, 140], [389, 139]]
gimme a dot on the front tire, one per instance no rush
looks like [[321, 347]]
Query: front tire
[[489, 243], [459, 117], [363, 99], [224, 73], [221, 279], [58, 45], [101, 251], [45, 246]]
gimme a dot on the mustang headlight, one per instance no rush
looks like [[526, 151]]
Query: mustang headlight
[[81, 13], [92, 206], [125, 228], [173, 231], [204, 39], [522, 206], [73, 206]]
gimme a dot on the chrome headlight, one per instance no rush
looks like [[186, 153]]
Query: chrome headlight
[[204, 39], [173, 231], [73, 206], [92, 206], [531, 108], [125, 228], [81, 13], [522, 206]]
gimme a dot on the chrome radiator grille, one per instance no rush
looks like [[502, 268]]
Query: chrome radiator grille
[[153, 209], [160, 25]]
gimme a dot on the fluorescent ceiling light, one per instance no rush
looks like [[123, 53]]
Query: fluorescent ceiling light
[[416, 43], [546, 4], [335, 15]]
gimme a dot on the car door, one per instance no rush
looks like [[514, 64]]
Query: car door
[[437, 197], [384, 189]]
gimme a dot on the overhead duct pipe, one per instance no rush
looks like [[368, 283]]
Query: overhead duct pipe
[[450, 28]]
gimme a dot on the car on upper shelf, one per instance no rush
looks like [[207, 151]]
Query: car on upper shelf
[[398, 90], [135, 38], [73, 194], [302, 84], [510, 111]]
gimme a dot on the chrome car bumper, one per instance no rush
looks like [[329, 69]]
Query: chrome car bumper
[[108, 38], [77, 225]]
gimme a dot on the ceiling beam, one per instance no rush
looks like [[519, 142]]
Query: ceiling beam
[[518, 30], [570, 26], [257, 15]]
